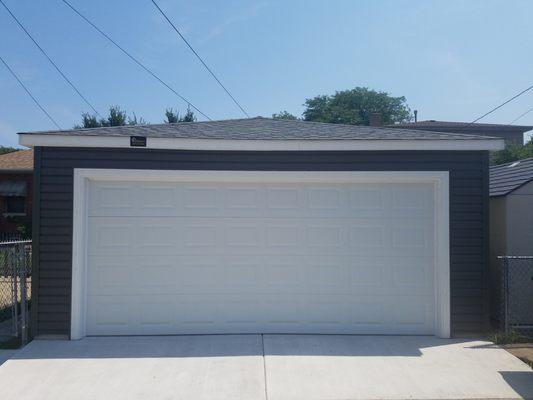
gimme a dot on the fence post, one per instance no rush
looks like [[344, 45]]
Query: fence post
[[23, 300], [14, 275], [505, 265]]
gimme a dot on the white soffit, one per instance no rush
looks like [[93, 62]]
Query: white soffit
[[32, 140]]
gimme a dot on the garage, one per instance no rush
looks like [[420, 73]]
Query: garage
[[228, 252], [259, 226]]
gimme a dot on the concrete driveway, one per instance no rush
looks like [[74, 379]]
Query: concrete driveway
[[264, 367]]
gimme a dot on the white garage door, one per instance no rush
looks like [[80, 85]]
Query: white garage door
[[171, 258]]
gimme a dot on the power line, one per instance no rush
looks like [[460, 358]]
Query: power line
[[520, 116], [29, 93], [501, 105], [133, 58], [199, 58], [48, 58]]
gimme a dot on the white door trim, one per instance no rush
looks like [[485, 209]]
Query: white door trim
[[439, 179]]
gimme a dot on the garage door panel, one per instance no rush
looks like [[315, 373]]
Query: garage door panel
[[262, 200], [110, 314], [245, 258], [227, 274], [225, 236], [232, 313], [156, 314]]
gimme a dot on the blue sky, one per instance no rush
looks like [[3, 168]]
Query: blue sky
[[452, 60]]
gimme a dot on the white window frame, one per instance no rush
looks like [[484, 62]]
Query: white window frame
[[82, 177]]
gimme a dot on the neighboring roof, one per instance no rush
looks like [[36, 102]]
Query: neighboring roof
[[21, 160], [240, 130], [13, 188], [506, 178], [461, 126]]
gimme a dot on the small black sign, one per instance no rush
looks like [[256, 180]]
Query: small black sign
[[137, 141]]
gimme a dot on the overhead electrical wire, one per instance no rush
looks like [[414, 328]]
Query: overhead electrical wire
[[134, 59], [520, 116], [48, 58], [29, 93], [200, 58], [501, 105]]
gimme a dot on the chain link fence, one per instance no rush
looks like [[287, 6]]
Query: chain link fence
[[15, 288], [517, 294]]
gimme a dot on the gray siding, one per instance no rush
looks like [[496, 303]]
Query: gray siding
[[497, 247], [468, 212], [519, 214], [511, 218]]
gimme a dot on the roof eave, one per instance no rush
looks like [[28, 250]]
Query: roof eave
[[34, 140], [522, 184]]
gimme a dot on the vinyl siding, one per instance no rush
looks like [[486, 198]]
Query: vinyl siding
[[468, 212]]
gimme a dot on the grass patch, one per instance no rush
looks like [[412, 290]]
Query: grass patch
[[510, 337]]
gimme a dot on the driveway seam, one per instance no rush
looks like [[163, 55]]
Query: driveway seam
[[264, 366]]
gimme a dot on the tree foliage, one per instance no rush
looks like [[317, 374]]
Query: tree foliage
[[284, 115], [116, 117], [88, 121], [355, 106], [136, 121], [174, 116], [512, 152], [5, 149]]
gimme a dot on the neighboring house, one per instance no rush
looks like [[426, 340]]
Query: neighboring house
[[16, 176], [511, 218], [259, 225], [510, 133]]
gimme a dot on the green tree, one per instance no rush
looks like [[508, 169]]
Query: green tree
[[355, 106], [284, 115], [88, 121], [512, 152], [5, 150], [115, 117], [174, 116], [189, 116], [136, 121]]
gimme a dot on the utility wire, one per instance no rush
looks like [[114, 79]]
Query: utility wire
[[48, 58], [520, 116], [133, 58], [29, 93], [199, 58], [501, 105]]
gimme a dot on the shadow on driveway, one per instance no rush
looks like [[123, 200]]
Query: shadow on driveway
[[521, 382], [233, 345]]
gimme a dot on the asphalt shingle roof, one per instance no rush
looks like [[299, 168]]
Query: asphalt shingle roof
[[260, 128], [508, 177], [17, 160]]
